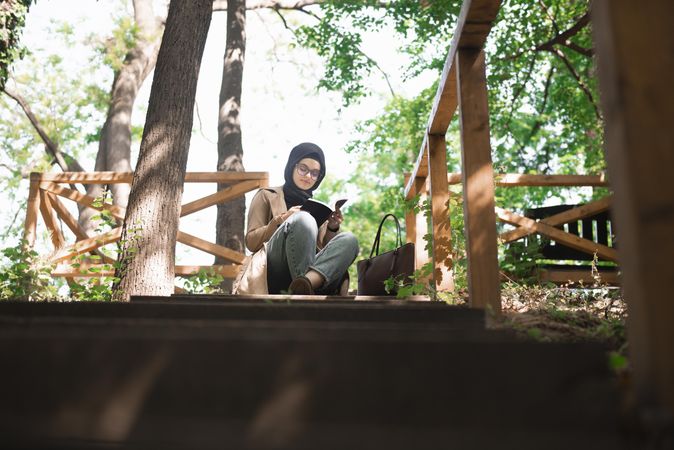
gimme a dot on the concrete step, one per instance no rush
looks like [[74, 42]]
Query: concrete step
[[135, 382], [231, 308]]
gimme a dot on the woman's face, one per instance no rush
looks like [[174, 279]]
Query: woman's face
[[305, 173]]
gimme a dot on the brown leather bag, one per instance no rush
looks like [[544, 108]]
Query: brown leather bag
[[398, 263]]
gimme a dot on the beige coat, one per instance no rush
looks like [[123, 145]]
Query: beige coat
[[264, 217]]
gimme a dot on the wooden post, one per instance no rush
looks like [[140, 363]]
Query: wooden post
[[634, 45], [32, 209], [415, 224], [440, 226], [51, 221], [478, 182]]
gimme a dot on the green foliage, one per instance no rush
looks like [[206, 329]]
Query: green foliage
[[113, 50], [12, 20], [204, 282], [25, 276], [96, 288], [519, 260]]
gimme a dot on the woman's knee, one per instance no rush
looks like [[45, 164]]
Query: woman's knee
[[349, 242], [303, 221]]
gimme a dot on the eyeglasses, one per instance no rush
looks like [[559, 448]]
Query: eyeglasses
[[303, 170]]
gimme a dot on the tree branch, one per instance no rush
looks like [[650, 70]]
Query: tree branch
[[66, 162], [221, 5], [563, 38], [358, 49], [580, 82]]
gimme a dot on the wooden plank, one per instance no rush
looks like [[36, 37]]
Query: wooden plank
[[74, 226], [557, 235], [634, 45], [577, 276], [472, 28], [116, 211], [478, 183], [589, 209], [410, 215], [66, 217], [127, 177], [224, 177], [420, 168], [32, 210], [511, 179], [516, 179], [87, 245], [226, 270], [441, 252], [209, 247], [51, 221], [88, 177], [103, 270], [221, 196], [477, 17]]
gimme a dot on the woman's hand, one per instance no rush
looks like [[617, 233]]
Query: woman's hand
[[335, 220], [290, 212]]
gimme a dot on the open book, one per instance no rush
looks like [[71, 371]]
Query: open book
[[320, 210]]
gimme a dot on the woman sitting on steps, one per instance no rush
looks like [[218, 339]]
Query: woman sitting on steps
[[292, 254]]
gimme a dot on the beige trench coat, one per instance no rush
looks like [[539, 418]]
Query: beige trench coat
[[264, 217]]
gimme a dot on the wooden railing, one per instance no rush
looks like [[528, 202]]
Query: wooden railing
[[416, 224], [46, 190], [463, 88]]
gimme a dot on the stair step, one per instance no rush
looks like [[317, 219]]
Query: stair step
[[83, 384], [430, 313]]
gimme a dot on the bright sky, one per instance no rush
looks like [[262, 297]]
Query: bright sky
[[280, 105]]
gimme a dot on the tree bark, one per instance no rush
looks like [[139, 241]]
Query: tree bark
[[151, 223], [114, 148], [230, 216]]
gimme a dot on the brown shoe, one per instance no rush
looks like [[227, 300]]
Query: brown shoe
[[301, 286]]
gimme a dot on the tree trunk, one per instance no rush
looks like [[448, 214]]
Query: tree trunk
[[114, 148], [149, 232], [230, 218]]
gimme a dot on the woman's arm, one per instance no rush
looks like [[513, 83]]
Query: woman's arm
[[261, 223]]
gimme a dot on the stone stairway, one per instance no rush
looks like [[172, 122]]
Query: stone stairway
[[209, 372]]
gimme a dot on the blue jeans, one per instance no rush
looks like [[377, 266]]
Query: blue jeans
[[291, 252]]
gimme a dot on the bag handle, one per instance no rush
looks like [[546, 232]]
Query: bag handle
[[399, 240]]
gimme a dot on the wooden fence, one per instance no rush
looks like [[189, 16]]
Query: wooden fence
[[463, 89], [46, 190], [548, 227]]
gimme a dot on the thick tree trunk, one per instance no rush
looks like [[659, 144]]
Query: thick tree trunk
[[230, 218], [151, 223], [114, 148]]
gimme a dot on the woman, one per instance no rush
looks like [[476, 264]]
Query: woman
[[291, 252]]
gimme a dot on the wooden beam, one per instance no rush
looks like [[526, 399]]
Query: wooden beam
[[577, 276], [478, 182], [209, 247], [32, 210], [51, 221], [104, 270], [127, 177], [116, 211], [634, 45], [221, 196], [87, 245], [224, 177], [589, 209], [557, 235], [420, 168], [512, 179], [441, 248], [67, 218], [472, 28]]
